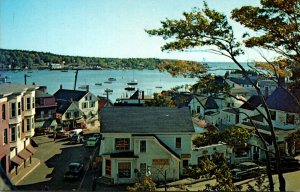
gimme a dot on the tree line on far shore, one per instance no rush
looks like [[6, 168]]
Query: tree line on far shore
[[32, 59]]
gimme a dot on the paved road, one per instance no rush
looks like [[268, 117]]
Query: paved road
[[55, 157]]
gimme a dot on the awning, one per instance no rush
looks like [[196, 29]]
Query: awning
[[46, 123], [31, 149], [17, 160], [24, 154]]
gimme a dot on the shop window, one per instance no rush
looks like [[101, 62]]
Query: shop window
[[108, 167]]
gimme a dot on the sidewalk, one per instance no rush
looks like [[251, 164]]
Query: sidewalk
[[25, 171]]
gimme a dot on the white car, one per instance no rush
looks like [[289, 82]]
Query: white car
[[91, 142]]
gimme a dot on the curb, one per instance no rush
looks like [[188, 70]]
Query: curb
[[28, 172]]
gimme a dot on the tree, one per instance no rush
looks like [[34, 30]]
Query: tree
[[147, 184], [211, 29]]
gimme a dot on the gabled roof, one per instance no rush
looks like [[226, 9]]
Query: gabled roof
[[252, 103], [282, 100], [244, 81], [62, 106], [69, 95], [211, 103], [146, 120]]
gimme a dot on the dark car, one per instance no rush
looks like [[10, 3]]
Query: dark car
[[75, 171], [287, 163], [246, 170]]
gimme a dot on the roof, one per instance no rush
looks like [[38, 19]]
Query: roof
[[8, 88], [252, 103], [211, 103], [62, 106], [41, 94], [232, 110], [244, 81], [146, 120], [66, 94], [283, 100]]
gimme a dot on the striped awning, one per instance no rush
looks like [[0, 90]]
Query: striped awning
[[24, 154], [31, 149], [17, 160]]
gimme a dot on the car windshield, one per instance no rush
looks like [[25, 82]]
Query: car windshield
[[92, 139], [73, 167]]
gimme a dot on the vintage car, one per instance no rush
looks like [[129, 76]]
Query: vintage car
[[74, 171]]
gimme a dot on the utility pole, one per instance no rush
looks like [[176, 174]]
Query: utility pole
[[76, 73], [25, 78]]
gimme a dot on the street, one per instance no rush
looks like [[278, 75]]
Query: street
[[55, 157]]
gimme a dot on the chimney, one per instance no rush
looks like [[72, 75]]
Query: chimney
[[60, 87], [87, 88]]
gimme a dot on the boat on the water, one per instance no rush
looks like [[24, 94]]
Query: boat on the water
[[112, 79], [158, 87], [82, 87], [98, 84], [133, 82], [130, 88], [108, 90], [109, 82]]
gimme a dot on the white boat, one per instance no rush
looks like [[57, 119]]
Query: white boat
[[112, 79], [133, 82]]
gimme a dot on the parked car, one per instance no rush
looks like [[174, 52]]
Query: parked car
[[97, 135], [74, 171], [76, 139], [288, 163], [246, 170], [75, 132], [91, 142], [60, 132]]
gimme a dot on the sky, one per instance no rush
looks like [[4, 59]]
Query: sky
[[102, 28]]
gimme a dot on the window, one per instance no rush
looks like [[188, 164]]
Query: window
[[5, 139], [19, 108], [90, 97], [84, 105], [3, 112], [76, 114], [92, 104], [108, 167], [19, 133], [273, 115], [68, 115], [143, 168], [124, 169], [290, 119], [42, 114], [122, 144], [42, 101], [23, 127], [13, 110], [13, 134], [28, 124], [22, 104], [49, 113], [178, 142], [198, 109], [86, 98], [32, 123], [33, 103], [28, 103], [143, 146]]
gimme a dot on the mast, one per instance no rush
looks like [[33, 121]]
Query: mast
[[76, 73]]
